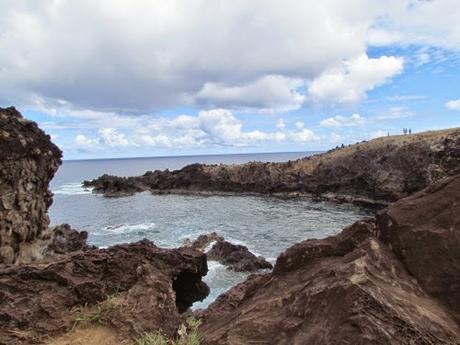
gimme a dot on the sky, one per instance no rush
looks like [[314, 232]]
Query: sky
[[116, 78]]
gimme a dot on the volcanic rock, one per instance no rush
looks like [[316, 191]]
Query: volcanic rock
[[151, 287], [376, 172], [28, 161], [203, 241], [346, 289], [60, 239], [237, 257], [423, 230]]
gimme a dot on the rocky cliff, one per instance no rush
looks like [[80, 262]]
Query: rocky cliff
[[28, 161], [352, 288], [374, 172]]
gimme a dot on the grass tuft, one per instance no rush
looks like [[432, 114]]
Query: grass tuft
[[187, 335], [96, 315]]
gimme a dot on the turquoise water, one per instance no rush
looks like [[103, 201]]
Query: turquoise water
[[267, 226]]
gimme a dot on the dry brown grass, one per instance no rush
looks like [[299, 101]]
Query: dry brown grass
[[91, 335]]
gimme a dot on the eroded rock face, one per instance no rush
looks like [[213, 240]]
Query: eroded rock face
[[152, 286], [237, 257], [347, 289], [204, 240], [376, 172], [28, 161], [424, 232]]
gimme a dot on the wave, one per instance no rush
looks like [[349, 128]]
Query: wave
[[71, 189], [129, 228]]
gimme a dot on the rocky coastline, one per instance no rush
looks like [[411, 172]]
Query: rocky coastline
[[389, 279], [376, 172]]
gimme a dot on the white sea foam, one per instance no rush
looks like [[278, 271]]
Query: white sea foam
[[129, 228], [71, 189]]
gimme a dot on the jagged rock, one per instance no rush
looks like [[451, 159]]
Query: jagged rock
[[237, 257], [203, 241], [424, 232], [376, 172], [346, 289], [60, 239], [152, 287], [114, 186], [28, 161]]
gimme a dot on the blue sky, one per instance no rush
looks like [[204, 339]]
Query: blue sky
[[152, 78]]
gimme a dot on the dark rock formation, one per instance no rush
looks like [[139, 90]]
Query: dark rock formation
[[375, 172], [237, 258], [60, 239], [152, 286], [347, 289], [203, 241], [424, 232], [28, 161]]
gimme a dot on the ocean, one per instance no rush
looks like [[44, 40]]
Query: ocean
[[266, 225]]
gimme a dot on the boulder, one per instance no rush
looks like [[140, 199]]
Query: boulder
[[345, 289], [423, 230], [237, 257], [28, 161], [149, 287], [204, 240]]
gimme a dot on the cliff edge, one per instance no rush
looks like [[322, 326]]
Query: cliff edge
[[28, 162]]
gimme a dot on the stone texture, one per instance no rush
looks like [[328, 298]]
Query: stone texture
[[237, 257], [347, 289], [424, 232], [152, 287], [28, 161]]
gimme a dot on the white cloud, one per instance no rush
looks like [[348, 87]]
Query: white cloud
[[395, 113], [83, 144], [269, 93], [351, 81], [343, 121], [135, 58], [110, 137], [209, 128], [453, 105]]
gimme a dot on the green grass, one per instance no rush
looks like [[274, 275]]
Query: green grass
[[187, 335], [96, 315]]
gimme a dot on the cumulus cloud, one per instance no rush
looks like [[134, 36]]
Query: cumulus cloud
[[110, 137], [215, 127], [134, 58], [453, 104], [343, 121], [269, 93], [351, 81]]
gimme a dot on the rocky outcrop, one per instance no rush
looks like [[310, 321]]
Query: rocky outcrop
[[346, 289], [53, 242], [423, 230], [379, 171], [150, 288], [28, 161], [203, 241], [237, 257]]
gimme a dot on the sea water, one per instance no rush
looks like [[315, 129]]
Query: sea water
[[266, 225]]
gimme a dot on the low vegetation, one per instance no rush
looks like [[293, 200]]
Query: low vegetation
[[187, 335], [97, 314]]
